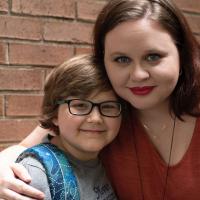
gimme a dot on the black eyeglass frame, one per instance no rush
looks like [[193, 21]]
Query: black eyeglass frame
[[98, 105]]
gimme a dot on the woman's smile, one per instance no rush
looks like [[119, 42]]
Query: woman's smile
[[142, 90]]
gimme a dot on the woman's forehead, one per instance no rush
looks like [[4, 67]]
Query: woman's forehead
[[146, 33]]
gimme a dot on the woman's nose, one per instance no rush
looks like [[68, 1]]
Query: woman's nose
[[138, 73]]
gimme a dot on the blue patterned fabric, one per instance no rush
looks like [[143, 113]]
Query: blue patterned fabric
[[62, 181]]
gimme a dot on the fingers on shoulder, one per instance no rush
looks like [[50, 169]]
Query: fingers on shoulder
[[21, 172]]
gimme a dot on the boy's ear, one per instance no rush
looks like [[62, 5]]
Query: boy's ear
[[55, 121]]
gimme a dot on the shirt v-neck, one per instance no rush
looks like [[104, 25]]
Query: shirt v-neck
[[152, 149]]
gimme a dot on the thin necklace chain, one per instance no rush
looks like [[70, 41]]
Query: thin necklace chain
[[156, 137], [168, 163]]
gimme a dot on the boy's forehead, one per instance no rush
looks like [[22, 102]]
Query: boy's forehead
[[102, 94], [106, 94]]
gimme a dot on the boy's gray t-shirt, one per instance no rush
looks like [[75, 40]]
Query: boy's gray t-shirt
[[92, 181]]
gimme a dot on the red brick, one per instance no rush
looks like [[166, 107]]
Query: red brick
[[83, 50], [89, 9], [58, 8], [68, 32], [194, 22], [23, 105], [4, 5], [189, 5], [1, 105], [16, 129], [33, 54], [3, 53], [21, 79], [20, 28]]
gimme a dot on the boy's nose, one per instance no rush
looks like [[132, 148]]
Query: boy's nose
[[95, 115]]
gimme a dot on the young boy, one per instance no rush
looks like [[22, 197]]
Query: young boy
[[81, 108]]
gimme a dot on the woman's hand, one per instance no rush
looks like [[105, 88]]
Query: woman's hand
[[12, 188]]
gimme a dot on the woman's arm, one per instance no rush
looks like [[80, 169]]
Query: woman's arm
[[10, 186], [35, 137]]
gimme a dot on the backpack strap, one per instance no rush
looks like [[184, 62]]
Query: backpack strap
[[62, 181]]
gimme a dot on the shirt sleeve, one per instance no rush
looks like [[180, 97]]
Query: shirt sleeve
[[38, 175]]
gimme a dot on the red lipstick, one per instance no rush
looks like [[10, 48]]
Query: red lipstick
[[142, 90]]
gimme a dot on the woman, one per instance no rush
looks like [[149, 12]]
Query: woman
[[153, 61]]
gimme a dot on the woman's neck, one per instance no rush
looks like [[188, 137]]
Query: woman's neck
[[159, 114], [161, 126]]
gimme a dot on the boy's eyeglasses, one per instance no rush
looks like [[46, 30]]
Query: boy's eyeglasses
[[84, 107]]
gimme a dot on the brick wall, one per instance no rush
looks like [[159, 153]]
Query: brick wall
[[36, 35]]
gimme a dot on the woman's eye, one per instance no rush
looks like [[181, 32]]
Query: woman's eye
[[153, 57], [122, 59]]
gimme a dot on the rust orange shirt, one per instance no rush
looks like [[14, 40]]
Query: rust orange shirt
[[137, 171]]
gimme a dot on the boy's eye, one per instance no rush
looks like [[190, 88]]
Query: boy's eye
[[122, 59], [109, 106], [80, 106], [153, 57]]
